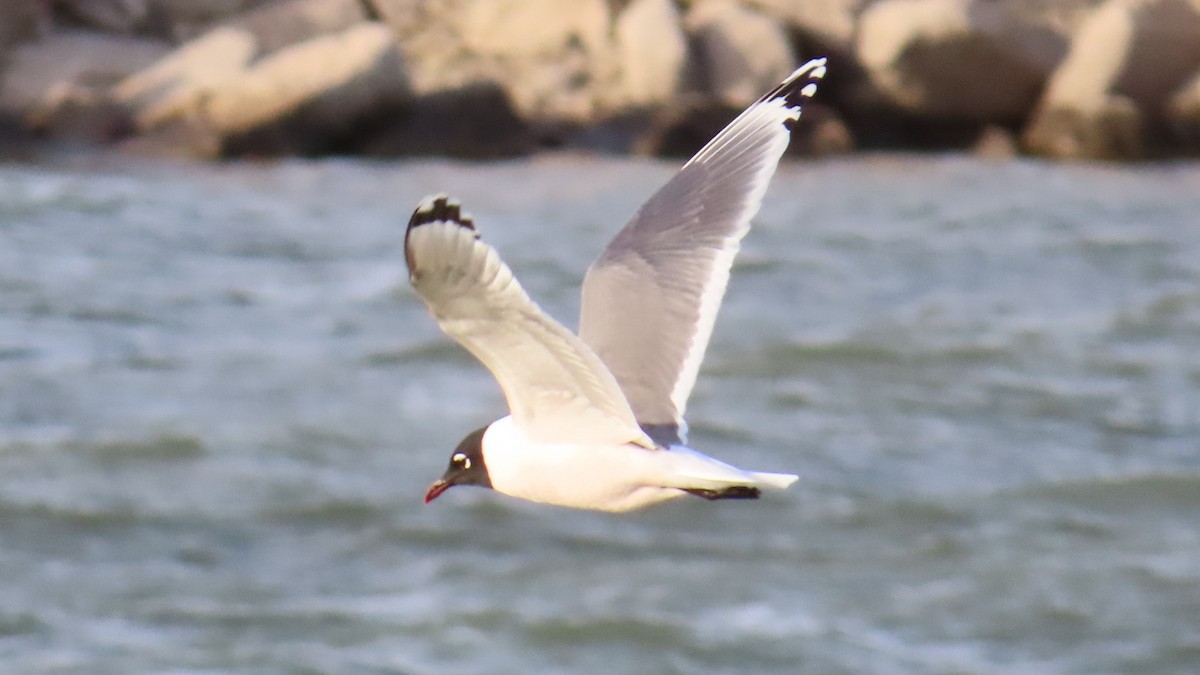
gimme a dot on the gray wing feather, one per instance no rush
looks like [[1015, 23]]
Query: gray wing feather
[[557, 390], [651, 298]]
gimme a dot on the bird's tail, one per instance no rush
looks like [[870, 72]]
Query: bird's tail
[[691, 469], [775, 480]]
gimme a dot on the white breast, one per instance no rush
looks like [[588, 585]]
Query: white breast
[[603, 477]]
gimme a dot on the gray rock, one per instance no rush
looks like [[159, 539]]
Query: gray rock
[[311, 96], [827, 26], [976, 60], [282, 23], [741, 52], [1183, 115], [652, 52], [51, 84], [123, 17], [996, 143], [173, 88], [533, 27], [1111, 127], [472, 122], [1109, 96], [554, 60], [21, 21], [405, 17], [183, 20]]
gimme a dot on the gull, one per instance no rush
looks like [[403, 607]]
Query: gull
[[596, 419]]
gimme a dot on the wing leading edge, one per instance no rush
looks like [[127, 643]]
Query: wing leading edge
[[651, 298]]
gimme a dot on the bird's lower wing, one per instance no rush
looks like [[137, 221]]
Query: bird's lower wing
[[557, 389]]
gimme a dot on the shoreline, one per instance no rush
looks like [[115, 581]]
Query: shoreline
[[1114, 80]]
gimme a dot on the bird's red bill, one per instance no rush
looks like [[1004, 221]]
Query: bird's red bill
[[436, 489]]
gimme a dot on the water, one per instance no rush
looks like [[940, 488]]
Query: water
[[220, 404]]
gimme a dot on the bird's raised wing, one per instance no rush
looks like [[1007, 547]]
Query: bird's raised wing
[[650, 299], [557, 390]]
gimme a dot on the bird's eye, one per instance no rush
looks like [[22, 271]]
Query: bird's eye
[[461, 460]]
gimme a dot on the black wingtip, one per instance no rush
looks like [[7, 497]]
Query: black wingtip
[[731, 492], [800, 86], [440, 208], [436, 209]]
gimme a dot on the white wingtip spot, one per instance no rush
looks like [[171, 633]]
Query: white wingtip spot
[[427, 203], [809, 89]]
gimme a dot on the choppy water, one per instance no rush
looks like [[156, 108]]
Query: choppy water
[[220, 404]]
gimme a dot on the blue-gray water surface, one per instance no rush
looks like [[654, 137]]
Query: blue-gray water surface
[[220, 404]]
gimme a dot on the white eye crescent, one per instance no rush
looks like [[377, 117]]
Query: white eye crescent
[[461, 460]]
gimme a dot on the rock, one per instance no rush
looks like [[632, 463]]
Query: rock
[[1109, 96], [183, 20], [553, 59], [417, 19], [821, 132], [16, 142], [742, 53], [1110, 127], [186, 138], [996, 143], [824, 26], [173, 20], [21, 21], [1183, 115], [311, 96], [286, 22], [51, 84], [172, 88], [123, 17], [472, 122], [532, 27], [651, 50], [976, 60]]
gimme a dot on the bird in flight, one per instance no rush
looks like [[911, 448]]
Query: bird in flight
[[596, 419]]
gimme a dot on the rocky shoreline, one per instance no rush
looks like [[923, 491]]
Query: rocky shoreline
[[1073, 79]]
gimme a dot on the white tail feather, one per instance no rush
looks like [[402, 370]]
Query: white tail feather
[[691, 469], [776, 480]]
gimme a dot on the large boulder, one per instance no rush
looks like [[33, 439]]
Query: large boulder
[[183, 20], [174, 20], [742, 52], [311, 96], [971, 60], [123, 17], [553, 59], [174, 86], [1183, 115], [652, 52], [472, 122], [169, 88], [282, 23], [60, 85], [532, 27], [826, 26], [20, 21], [1108, 98]]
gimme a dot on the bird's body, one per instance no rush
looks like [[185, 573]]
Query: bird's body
[[608, 476], [597, 419]]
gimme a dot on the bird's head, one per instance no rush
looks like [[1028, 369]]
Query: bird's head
[[466, 467]]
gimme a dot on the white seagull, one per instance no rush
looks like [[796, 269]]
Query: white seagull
[[597, 419]]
